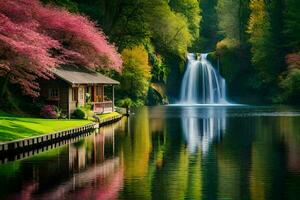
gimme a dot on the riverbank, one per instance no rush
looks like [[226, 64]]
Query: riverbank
[[13, 127], [24, 147]]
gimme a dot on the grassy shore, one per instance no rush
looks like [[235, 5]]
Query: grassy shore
[[108, 115], [14, 127]]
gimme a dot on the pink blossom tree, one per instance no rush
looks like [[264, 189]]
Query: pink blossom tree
[[35, 38]]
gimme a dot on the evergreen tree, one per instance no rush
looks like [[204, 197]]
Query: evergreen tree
[[259, 28], [292, 24]]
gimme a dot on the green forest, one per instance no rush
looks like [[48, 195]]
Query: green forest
[[255, 44]]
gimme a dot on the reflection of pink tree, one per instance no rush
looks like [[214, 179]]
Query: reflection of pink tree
[[293, 150], [98, 182], [26, 193], [111, 189], [108, 188]]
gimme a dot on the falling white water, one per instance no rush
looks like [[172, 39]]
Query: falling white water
[[201, 83]]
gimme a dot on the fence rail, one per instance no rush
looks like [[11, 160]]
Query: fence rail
[[103, 107]]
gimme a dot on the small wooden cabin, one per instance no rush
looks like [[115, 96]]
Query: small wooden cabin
[[74, 87]]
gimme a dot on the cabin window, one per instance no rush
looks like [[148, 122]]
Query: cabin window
[[74, 94], [81, 93], [53, 93]]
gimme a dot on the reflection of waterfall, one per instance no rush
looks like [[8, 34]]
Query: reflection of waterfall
[[202, 84], [200, 131]]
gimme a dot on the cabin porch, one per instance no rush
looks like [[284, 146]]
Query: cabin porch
[[101, 101]]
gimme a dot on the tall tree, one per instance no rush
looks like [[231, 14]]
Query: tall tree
[[232, 18], [259, 29], [191, 10], [208, 26], [136, 74], [171, 32], [228, 18], [292, 24]]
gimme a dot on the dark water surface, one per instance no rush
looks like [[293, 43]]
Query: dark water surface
[[170, 153]]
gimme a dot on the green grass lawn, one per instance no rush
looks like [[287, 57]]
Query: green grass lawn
[[14, 127], [108, 115]]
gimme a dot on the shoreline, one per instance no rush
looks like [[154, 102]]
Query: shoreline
[[44, 141]]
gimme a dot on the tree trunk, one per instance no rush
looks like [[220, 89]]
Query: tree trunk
[[3, 89]]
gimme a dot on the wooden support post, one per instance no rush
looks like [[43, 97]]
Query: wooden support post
[[102, 93], [70, 93], [113, 98]]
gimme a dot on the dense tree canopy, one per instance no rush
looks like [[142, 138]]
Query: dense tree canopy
[[292, 25], [259, 29], [136, 74], [255, 42], [171, 32], [191, 10], [254, 38], [228, 14]]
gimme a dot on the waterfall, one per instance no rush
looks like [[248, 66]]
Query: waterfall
[[201, 83]]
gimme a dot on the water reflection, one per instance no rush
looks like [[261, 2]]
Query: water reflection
[[201, 131], [88, 169], [158, 154]]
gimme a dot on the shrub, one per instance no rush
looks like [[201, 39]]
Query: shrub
[[137, 72], [126, 103], [226, 45], [153, 97], [50, 112], [78, 114], [87, 109], [291, 87]]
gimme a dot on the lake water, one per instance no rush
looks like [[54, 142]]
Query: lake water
[[170, 153]]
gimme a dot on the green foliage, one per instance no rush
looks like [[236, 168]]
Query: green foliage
[[233, 18], [171, 32], [68, 4], [159, 69], [130, 28], [191, 10], [136, 74], [235, 66], [228, 16], [87, 109], [79, 113], [226, 45], [208, 26], [292, 25], [154, 98], [108, 115], [290, 85], [126, 103], [256, 25], [259, 29]]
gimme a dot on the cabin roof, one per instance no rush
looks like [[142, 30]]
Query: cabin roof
[[82, 76]]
